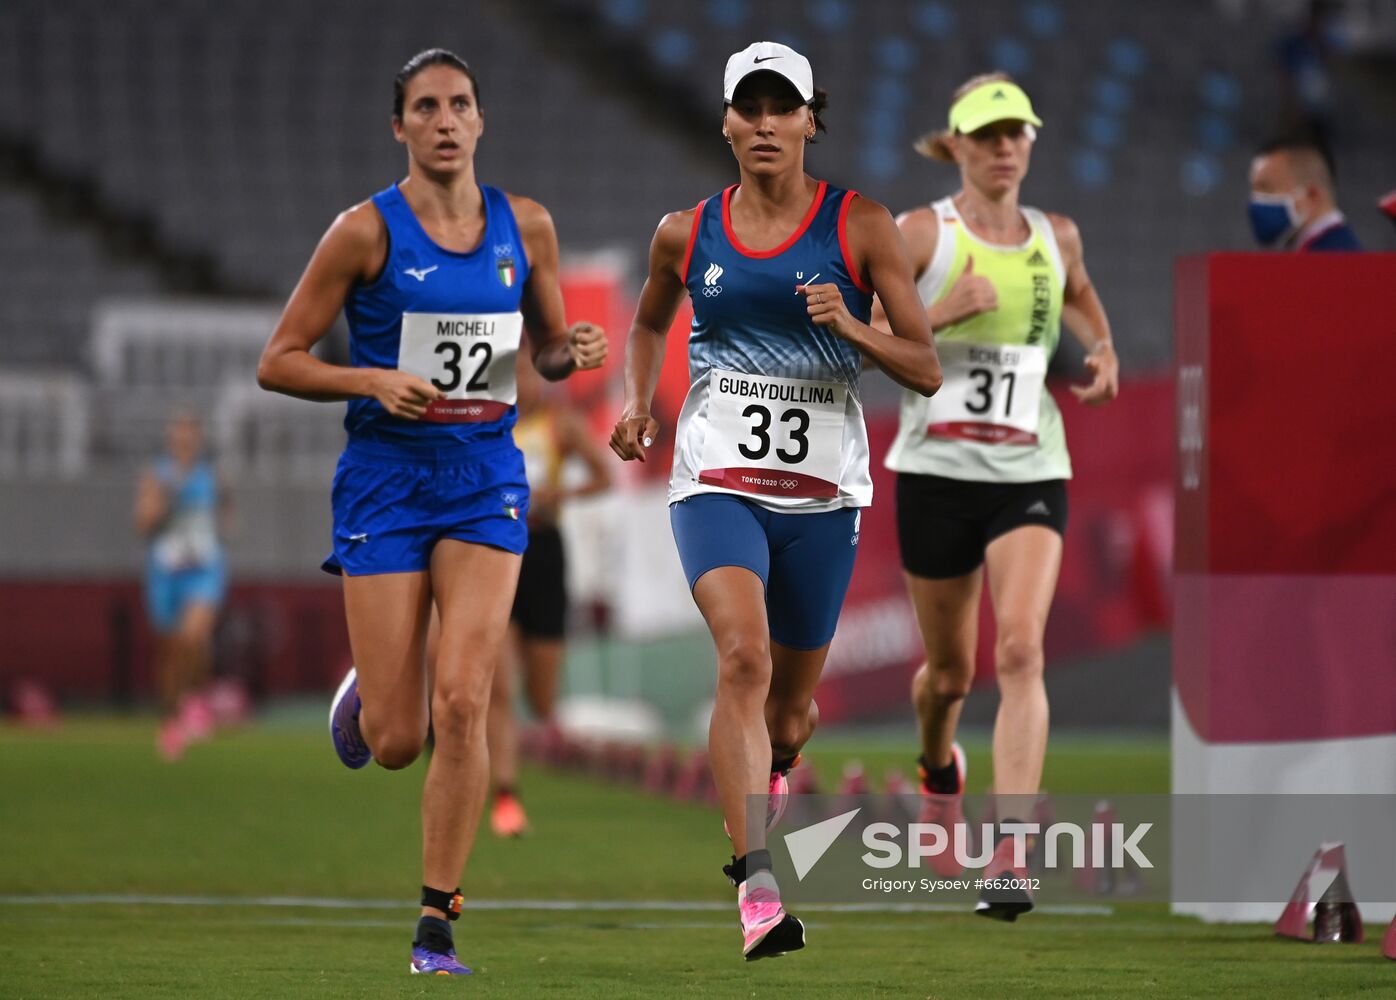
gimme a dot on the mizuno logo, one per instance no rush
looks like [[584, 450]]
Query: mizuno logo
[[363, 537], [420, 273], [761, 59]]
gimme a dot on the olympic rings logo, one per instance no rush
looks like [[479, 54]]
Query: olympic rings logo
[[789, 484], [712, 290]]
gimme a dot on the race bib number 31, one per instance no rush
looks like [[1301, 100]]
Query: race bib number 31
[[991, 393], [470, 358], [773, 436]]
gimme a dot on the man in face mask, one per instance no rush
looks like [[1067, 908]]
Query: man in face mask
[[1293, 205]]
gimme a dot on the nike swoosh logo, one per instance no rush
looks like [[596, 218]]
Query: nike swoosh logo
[[761, 59]]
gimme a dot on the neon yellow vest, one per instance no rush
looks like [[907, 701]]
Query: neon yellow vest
[[993, 420]]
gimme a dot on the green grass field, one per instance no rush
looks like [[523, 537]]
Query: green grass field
[[89, 811]]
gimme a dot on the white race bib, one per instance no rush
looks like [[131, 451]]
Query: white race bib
[[188, 541], [468, 357], [773, 436], [991, 393]]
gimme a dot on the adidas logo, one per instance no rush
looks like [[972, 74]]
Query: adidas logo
[[999, 95], [1040, 508], [1037, 260]]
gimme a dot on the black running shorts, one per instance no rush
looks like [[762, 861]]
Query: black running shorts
[[540, 605], [944, 525]]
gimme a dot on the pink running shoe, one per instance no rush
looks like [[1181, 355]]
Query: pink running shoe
[[948, 812], [507, 817], [171, 741], [196, 717], [1007, 892], [777, 798], [767, 930]]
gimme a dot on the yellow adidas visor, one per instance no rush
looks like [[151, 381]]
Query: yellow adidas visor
[[995, 101]]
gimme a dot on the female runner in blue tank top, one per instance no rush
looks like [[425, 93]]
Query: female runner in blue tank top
[[770, 454], [437, 276]]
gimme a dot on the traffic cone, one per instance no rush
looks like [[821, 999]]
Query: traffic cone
[[694, 778], [804, 780], [34, 707], [896, 784], [1093, 878], [1321, 908], [662, 770]]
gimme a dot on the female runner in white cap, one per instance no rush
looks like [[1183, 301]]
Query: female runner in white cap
[[770, 451]]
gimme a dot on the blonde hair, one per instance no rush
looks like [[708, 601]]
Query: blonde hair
[[936, 145]]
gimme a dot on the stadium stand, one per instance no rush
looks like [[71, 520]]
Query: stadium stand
[[233, 130]]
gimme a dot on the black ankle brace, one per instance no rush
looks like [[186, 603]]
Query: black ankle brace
[[447, 902], [749, 864]]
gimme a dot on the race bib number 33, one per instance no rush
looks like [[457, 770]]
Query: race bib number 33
[[773, 436], [992, 393], [470, 358]]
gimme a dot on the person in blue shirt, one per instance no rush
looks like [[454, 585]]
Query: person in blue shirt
[[1293, 203], [770, 448], [181, 511], [441, 279]]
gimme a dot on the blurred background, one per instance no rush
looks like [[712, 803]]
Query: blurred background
[[166, 169]]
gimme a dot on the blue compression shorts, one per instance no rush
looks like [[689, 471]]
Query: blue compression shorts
[[804, 560], [169, 592], [391, 506]]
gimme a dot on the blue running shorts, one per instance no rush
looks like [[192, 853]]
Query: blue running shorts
[[169, 592], [804, 560], [391, 505]]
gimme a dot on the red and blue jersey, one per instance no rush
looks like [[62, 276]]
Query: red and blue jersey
[[773, 410]]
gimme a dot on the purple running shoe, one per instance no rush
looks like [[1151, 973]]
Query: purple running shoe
[[435, 963], [344, 723]]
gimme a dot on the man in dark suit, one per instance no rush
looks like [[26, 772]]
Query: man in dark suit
[[1293, 203]]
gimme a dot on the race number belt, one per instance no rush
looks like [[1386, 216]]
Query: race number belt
[[991, 393], [773, 436], [470, 358]]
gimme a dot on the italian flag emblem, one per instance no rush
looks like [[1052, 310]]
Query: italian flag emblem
[[505, 269], [513, 512]]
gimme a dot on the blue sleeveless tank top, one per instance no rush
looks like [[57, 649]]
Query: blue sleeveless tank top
[[748, 320], [747, 316], [420, 278], [188, 539]]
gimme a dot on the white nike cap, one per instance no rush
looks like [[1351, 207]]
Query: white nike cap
[[772, 57]]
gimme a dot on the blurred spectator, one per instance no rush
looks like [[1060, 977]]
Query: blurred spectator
[[1305, 52], [1293, 201], [1387, 204], [549, 432], [179, 504]]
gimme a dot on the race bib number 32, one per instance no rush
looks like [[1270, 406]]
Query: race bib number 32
[[992, 393], [773, 436], [470, 358]]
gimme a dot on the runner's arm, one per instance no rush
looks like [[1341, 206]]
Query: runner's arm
[[354, 249], [644, 349]]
